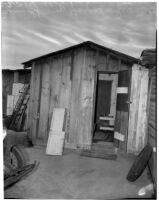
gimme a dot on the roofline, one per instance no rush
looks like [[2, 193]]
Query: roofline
[[16, 70], [87, 43]]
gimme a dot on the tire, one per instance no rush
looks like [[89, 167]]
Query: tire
[[17, 157], [140, 163]]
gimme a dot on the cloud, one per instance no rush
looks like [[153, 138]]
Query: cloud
[[81, 37], [45, 38], [36, 28]]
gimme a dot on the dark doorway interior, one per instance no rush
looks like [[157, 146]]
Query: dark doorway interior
[[102, 109]]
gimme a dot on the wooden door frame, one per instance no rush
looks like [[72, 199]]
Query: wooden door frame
[[114, 79], [95, 93]]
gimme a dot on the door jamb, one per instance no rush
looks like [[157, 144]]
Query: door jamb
[[96, 72]]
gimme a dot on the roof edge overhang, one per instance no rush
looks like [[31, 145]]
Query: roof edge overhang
[[90, 44]]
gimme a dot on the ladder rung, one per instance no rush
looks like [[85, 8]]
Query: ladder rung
[[106, 128], [106, 118]]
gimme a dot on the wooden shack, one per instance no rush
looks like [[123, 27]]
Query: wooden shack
[[93, 83]]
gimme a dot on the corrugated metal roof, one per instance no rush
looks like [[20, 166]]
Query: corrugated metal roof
[[89, 44]]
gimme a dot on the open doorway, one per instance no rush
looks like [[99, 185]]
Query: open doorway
[[105, 107]]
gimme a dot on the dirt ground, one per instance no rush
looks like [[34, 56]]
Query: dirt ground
[[72, 176]]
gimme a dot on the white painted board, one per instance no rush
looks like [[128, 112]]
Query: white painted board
[[119, 136], [10, 100], [122, 90], [55, 143], [16, 88], [58, 120]]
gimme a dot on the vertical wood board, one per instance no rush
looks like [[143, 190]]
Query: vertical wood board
[[121, 122], [138, 110], [75, 96], [58, 120], [36, 100], [44, 104], [65, 85], [30, 103], [86, 103], [134, 98], [121, 126], [55, 143], [142, 113], [55, 82], [10, 104]]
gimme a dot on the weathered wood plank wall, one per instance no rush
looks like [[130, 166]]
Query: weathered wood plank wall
[[121, 125], [152, 123], [86, 100], [36, 99], [68, 80], [137, 136], [74, 124], [30, 116], [50, 88], [44, 103]]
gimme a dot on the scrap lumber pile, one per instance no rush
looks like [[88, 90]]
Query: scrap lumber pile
[[17, 105]]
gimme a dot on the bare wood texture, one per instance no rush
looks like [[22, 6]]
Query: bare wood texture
[[55, 81], [121, 122], [68, 81], [152, 119], [35, 101], [86, 100], [121, 126], [102, 61], [30, 115], [60, 85], [99, 154], [138, 110], [152, 123], [44, 106], [74, 124]]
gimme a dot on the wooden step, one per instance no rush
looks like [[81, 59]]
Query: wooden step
[[99, 154], [103, 146]]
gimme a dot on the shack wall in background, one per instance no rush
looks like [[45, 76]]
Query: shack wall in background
[[8, 78], [137, 131], [152, 123]]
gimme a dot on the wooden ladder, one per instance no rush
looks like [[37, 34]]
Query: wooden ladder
[[20, 108]]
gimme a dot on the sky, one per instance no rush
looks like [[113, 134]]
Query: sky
[[32, 29]]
